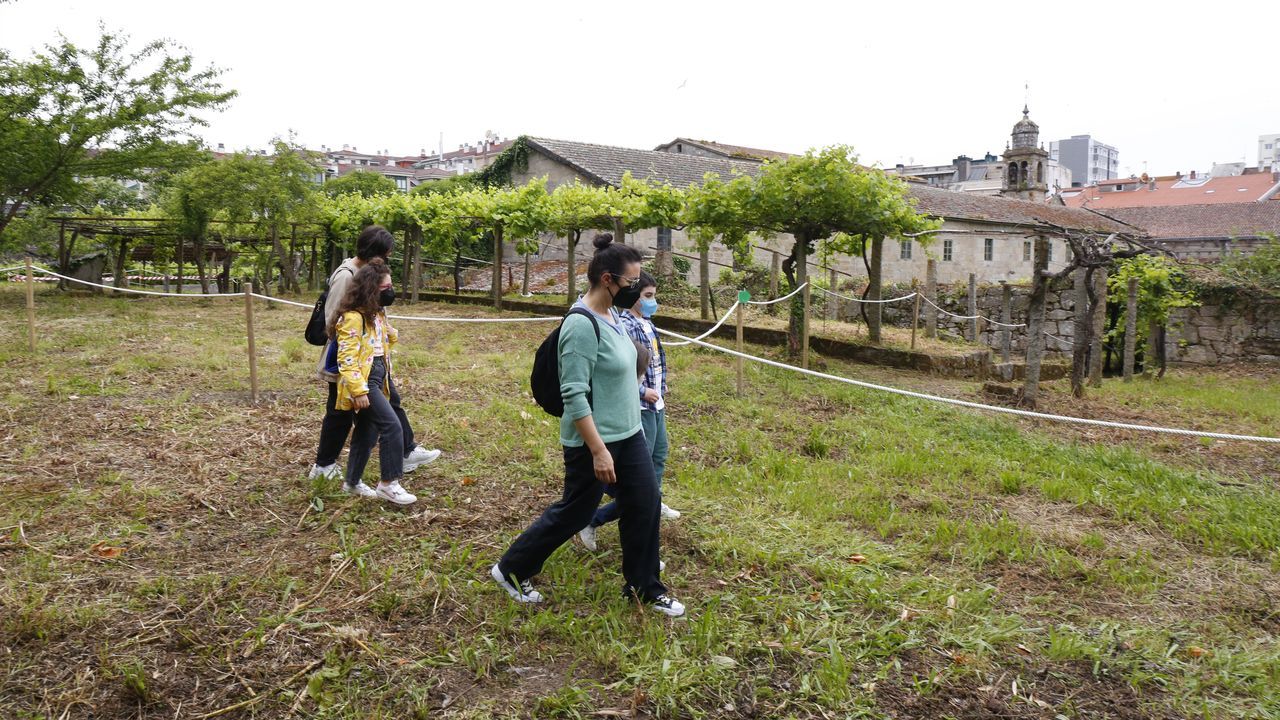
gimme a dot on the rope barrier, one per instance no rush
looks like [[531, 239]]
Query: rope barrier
[[136, 292], [860, 300], [1064, 341], [707, 333], [974, 405], [784, 297], [971, 317]]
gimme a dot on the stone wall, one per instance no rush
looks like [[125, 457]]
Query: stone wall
[[1230, 325]]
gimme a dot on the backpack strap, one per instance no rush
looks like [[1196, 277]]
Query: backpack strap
[[595, 325]]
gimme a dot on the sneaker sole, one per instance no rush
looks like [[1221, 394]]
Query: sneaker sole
[[396, 501], [669, 613]]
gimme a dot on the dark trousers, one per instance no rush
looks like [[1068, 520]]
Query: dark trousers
[[337, 425], [637, 497], [377, 424], [654, 425]]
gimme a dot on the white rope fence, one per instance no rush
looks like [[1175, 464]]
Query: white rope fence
[[778, 300], [869, 302], [282, 301], [971, 317], [974, 405], [707, 333]]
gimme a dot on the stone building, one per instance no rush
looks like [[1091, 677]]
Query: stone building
[[1025, 163], [988, 236]]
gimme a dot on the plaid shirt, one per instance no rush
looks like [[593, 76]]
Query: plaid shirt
[[642, 331]]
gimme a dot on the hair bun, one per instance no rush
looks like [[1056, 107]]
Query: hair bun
[[602, 241]]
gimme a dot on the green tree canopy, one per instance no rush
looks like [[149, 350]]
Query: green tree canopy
[[70, 114], [364, 183]]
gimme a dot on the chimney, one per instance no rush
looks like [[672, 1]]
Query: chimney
[[1177, 175], [1193, 175], [962, 168]]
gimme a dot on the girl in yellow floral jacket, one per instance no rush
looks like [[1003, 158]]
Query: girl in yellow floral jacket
[[364, 341]]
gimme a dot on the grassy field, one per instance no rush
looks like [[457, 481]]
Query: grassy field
[[844, 553]]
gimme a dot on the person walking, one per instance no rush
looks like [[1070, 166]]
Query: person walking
[[602, 440]]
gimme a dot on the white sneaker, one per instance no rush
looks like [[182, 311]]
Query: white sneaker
[[668, 606], [359, 490], [588, 537], [523, 594], [669, 513], [329, 472], [418, 457], [393, 492]]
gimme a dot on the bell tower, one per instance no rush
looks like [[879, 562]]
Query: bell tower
[[1026, 163]]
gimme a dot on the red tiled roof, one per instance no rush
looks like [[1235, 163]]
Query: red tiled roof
[[1204, 221], [1219, 190]]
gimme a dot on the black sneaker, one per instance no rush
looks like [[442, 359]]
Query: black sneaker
[[668, 606], [523, 594]]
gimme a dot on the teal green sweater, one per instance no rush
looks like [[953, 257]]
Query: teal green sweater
[[608, 370]]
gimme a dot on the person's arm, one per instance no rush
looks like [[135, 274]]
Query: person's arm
[[337, 288], [347, 333], [578, 350]]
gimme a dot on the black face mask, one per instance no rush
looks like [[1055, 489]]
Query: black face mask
[[387, 296], [626, 297]]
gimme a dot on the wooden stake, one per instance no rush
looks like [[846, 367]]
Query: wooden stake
[[739, 359], [915, 314], [253, 355], [804, 330], [31, 306]]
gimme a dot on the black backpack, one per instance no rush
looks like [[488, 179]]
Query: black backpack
[[317, 332], [545, 378]]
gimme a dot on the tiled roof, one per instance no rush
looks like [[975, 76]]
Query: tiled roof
[[733, 151], [987, 208], [1234, 189], [607, 163], [1209, 221]]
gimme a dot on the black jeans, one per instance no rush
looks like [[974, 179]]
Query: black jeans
[[637, 497], [337, 425], [378, 424]]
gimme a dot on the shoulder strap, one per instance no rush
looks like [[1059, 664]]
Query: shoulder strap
[[595, 324]]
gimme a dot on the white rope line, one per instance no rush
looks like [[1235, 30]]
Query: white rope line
[[268, 298], [707, 333], [974, 405], [860, 300], [1064, 341], [136, 292], [971, 317], [784, 297], [19, 267]]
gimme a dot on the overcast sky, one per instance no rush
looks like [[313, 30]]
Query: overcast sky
[[922, 81]]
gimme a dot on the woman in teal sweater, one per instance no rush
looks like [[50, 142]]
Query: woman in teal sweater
[[602, 438]]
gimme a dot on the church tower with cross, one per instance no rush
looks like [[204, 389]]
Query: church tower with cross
[[1026, 162]]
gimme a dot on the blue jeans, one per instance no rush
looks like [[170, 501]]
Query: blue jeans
[[655, 438]]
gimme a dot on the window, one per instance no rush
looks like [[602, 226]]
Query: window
[[402, 184], [1267, 146], [988, 249], [904, 249], [1026, 251], [1049, 256], [947, 246]]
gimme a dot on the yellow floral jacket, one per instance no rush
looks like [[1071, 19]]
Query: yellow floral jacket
[[355, 356]]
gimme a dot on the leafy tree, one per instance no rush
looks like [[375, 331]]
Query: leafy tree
[[70, 114], [574, 209], [364, 183], [1162, 288]]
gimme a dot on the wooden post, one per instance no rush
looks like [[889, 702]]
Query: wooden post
[[1098, 326], [496, 288], [775, 269], [915, 313], [973, 307], [1152, 353], [253, 355], [931, 292], [1035, 322], [31, 306], [704, 281], [1006, 317], [1130, 329], [740, 315], [833, 302], [804, 327]]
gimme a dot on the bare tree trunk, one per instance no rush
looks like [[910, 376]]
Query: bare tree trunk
[[833, 302], [286, 263], [931, 292], [311, 272], [571, 244], [973, 308], [294, 264], [181, 246], [1151, 353], [457, 270], [415, 287], [1081, 331], [1130, 329], [1035, 322], [64, 257], [1097, 326], [198, 242], [497, 268], [619, 232], [704, 281], [1006, 317], [524, 290], [122, 251], [873, 310], [800, 267]]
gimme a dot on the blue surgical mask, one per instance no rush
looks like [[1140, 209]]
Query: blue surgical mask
[[648, 307]]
